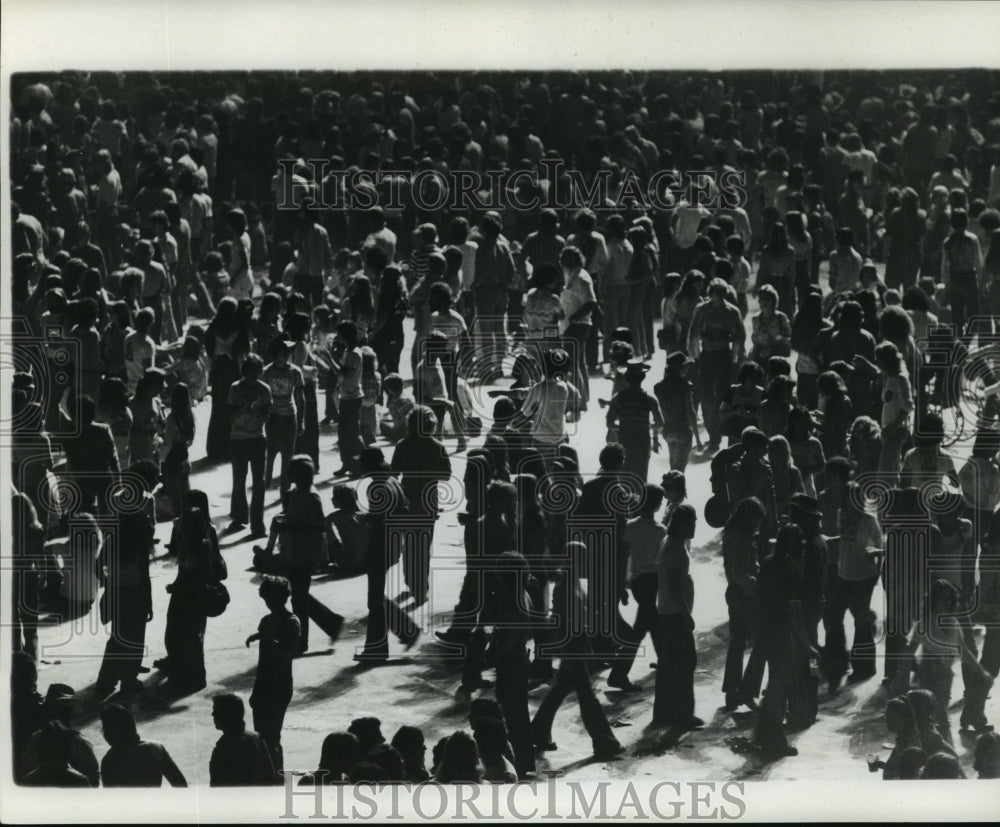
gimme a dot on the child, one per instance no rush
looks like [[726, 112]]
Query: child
[[675, 393], [740, 281], [191, 369], [140, 349], [371, 386], [278, 633], [393, 427], [346, 532]]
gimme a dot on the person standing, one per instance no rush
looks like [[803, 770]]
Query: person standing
[[578, 303], [717, 342], [278, 633], [574, 650], [859, 562], [897, 407], [643, 536], [127, 602], [422, 463], [630, 411], [199, 565], [348, 365], [961, 272], [285, 419], [673, 705], [494, 273], [249, 402], [741, 557], [386, 505], [782, 639]]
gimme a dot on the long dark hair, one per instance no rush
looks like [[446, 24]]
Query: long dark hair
[[739, 520], [180, 410], [808, 322]]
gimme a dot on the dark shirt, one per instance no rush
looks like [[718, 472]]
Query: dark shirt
[[93, 449], [778, 585], [241, 760], [145, 764], [674, 395], [422, 461]]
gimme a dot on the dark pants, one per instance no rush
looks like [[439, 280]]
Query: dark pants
[[573, 677], [512, 695], [576, 343], [674, 700], [349, 431], [309, 286], [976, 693], [384, 615], [299, 578], [963, 296], [308, 441], [451, 383], [635, 440], [185, 642], [244, 453], [778, 650], [281, 432], [269, 709], [714, 369], [742, 619], [646, 620], [419, 540], [617, 314], [855, 597], [124, 649]]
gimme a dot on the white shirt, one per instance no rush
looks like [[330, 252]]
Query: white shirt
[[579, 290], [546, 404], [644, 537]]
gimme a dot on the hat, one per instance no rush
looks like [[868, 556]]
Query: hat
[[806, 504], [716, 512], [634, 367], [59, 693], [679, 357], [286, 344]]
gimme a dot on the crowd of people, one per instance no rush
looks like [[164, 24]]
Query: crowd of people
[[177, 242]]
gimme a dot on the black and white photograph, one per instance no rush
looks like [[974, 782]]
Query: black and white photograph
[[597, 432]]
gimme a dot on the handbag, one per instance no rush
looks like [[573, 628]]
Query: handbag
[[214, 599]]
